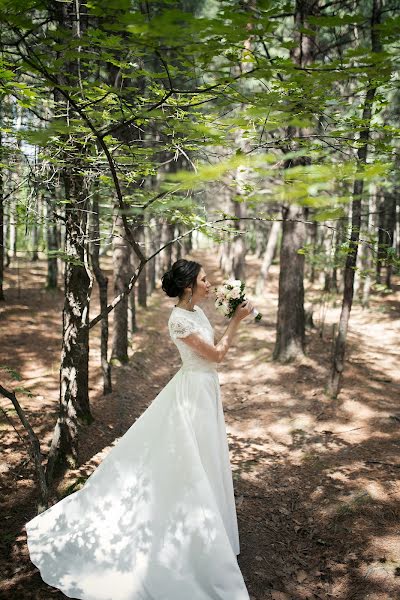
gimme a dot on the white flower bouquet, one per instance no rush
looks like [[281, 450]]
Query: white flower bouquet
[[229, 295]]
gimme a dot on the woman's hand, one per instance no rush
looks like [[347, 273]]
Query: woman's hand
[[243, 310]]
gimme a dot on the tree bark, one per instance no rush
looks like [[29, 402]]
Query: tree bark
[[335, 380], [381, 237], [367, 257], [74, 375], [102, 282], [290, 333], [52, 247], [151, 246], [1, 223], [167, 231], [142, 281], [390, 213], [35, 242], [268, 256], [12, 226], [121, 264], [239, 248]]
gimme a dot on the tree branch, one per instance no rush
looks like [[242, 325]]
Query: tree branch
[[35, 446]]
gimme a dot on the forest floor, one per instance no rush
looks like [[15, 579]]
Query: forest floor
[[316, 481]]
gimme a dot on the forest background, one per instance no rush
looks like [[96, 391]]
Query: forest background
[[259, 136]]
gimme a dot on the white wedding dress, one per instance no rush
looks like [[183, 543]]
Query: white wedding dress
[[156, 520]]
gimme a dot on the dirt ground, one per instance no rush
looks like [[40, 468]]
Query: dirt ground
[[316, 480]]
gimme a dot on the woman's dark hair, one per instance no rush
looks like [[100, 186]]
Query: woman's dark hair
[[181, 275]]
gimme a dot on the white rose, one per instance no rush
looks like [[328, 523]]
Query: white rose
[[235, 293], [229, 282]]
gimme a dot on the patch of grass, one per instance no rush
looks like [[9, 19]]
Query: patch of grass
[[7, 538], [24, 391], [313, 460], [354, 506], [12, 372], [73, 487]]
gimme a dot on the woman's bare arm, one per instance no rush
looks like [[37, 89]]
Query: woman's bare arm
[[215, 353]]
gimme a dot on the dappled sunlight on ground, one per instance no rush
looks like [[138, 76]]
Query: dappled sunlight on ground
[[316, 480]]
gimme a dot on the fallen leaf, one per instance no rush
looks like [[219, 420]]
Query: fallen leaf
[[301, 576]]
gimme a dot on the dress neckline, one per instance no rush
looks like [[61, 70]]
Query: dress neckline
[[186, 310]]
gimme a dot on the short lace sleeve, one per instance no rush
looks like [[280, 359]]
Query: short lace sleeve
[[181, 327]]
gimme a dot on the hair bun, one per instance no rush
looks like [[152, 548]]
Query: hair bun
[[170, 285]]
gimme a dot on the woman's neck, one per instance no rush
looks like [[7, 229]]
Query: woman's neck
[[185, 306]]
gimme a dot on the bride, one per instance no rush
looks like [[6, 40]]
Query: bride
[[157, 520]]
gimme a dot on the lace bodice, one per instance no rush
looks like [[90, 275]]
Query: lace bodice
[[184, 322]]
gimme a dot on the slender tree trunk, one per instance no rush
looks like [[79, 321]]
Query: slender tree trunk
[[167, 231], [367, 262], [13, 228], [142, 281], [290, 338], [335, 380], [315, 248], [239, 248], [1, 224], [102, 282], [390, 211], [381, 237], [268, 256], [151, 266], [52, 247], [74, 375], [132, 321], [35, 241], [178, 246], [121, 263], [188, 244]]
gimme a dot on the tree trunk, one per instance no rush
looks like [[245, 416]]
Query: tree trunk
[[132, 322], [35, 241], [367, 255], [290, 337], [74, 384], [290, 332], [334, 383], [315, 248], [52, 247], [12, 225], [239, 248], [102, 282], [142, 281], [151, 247], [268, 256], [381, 237], [390, 212], [167, 231], [121, 264], [1, 223]]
